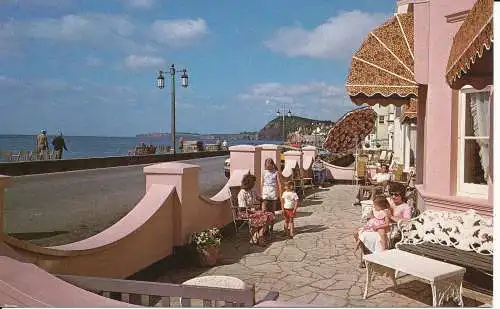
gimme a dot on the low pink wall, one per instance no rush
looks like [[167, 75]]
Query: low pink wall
[[25, 285], [113, 252], [339, 172], [170, 211], [195, 213]]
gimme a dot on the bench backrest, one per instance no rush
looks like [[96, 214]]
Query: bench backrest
[[466, 231]]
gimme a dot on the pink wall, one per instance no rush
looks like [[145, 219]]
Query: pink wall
[[246, 157], [433, 40]]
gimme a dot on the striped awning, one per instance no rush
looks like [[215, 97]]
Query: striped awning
[[382, 70], [471, 55]]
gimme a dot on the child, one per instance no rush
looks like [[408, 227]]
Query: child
[[289, 205], [378, 223], [270, 186]]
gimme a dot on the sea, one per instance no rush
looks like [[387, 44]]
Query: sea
[[102, 146]]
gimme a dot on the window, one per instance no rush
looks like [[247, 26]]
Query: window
[[380, 119], [473, 142]]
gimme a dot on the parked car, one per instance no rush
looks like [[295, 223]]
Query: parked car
[[227, 162]]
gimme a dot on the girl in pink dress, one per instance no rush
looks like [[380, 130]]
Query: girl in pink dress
[[378, 223]]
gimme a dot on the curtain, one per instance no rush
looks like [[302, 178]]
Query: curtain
[[480, 110]]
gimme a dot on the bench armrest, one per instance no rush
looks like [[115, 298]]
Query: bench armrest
[[271, 295]]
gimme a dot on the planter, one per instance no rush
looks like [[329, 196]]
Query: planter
[[208, 255]]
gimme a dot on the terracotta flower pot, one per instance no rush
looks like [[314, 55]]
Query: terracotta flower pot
[[209, 255]]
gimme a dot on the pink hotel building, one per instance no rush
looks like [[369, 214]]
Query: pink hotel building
[[438, 54]]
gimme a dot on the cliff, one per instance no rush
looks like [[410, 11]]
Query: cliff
[[274, 129]]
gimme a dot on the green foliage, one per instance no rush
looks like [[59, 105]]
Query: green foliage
[[274, 129]]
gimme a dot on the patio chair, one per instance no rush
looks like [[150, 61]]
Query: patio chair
[[301, 183], [240, 214], [383, 156], [360, 171]]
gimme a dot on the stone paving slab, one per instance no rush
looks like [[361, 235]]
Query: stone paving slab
[[318, 266]]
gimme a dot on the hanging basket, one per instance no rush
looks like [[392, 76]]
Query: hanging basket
[[209, 255]]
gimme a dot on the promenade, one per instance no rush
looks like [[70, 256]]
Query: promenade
[[59, 208], [318, 267]]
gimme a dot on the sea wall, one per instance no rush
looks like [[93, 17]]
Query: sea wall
[[53, 166]]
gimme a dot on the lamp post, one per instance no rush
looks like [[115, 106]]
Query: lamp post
[[316, 133], [160, 83], [278, 114]]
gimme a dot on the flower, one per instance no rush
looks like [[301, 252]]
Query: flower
[[206, 238]]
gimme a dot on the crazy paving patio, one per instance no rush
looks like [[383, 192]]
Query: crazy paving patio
[[318, 267]]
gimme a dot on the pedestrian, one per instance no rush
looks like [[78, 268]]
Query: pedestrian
[[181, 143], [289, 205], [319, 172], [59, 145], [224, 145], [42, 145]]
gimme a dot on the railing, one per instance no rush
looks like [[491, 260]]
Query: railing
[[175, 295], [21, 156]]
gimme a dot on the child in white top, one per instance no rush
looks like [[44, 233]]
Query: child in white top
[[289, 205]]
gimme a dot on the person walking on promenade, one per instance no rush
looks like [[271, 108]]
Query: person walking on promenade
[[218, 144], [59, 145], [224, 145], [181, 143], [289, 205], [42, 145], [319, 171]]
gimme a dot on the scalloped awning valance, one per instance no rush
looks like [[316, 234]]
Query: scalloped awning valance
[[382, 70], [471, 55]]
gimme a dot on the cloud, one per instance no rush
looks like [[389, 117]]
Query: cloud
[[317, 100], [139, 4], [178, 31], [102, 31], [337, 38], [141, 62], [94, 62], [35, 4]]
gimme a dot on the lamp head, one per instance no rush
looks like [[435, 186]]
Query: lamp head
[[184, 79], [160, 80]]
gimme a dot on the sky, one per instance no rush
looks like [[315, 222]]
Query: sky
[[89, 67]]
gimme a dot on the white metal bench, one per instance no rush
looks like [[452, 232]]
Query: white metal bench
[[461, 238]]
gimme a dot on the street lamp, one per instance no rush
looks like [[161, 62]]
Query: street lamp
[[278, 114], [160, 83], [316, 133]]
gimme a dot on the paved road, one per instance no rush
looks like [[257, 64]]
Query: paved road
[[73, 205]]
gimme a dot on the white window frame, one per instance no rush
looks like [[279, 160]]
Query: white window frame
[[467, 189]]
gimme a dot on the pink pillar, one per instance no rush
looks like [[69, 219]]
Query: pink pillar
[[5, 181], [185, 179], [270, 151], [246, 157], [310, 151], [294, 155]]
